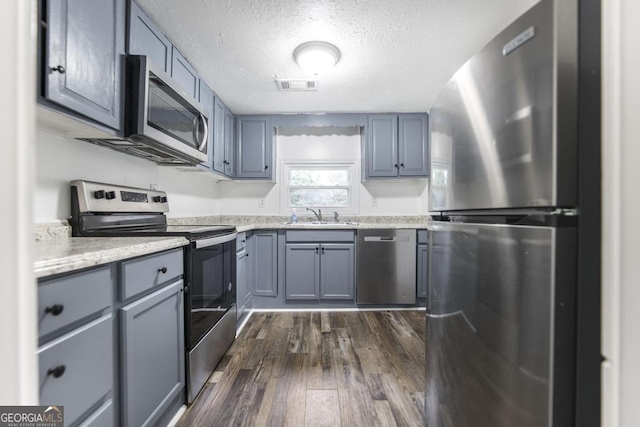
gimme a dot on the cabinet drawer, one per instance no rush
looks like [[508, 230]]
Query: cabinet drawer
[[84, 359], [314, 236], [241, 242], [422, 237], [64, 301], [142, 274]]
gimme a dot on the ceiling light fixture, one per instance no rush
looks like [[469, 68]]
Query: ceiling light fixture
[[316, 58]]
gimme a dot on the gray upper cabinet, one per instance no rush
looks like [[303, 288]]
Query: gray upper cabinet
[[207, 100], [145, 38], [397, 146], [264, 263], [413, 153], [254, 148], [84, 50], [152, 371], [184, 74], [382, 147], [229, 141], [219, 159]]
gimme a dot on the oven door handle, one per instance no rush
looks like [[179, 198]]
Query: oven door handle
[[205, 243]]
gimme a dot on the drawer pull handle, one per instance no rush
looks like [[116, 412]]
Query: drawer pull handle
[[57, 371], [54, 309], [162, 270]]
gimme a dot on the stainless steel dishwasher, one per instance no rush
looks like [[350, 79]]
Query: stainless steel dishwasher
[[386, 267]]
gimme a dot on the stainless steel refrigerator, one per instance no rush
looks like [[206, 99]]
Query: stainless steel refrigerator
[[503, 239]]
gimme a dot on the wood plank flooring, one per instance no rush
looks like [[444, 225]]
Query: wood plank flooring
[[319, 369]]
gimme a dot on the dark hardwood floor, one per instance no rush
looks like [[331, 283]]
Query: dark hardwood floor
[[319, 369]]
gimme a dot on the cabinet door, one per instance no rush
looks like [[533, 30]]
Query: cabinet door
[[207, 100], [85, 50], [337, 271], [152, 347], [145, 38], [242, 283], [382, 145], [184, 74], [229, 138], [218, 135], [265, 263], [412, 145], [421, 291], [302, 271], [253, 155]]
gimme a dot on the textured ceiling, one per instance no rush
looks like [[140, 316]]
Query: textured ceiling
[[396, 54]]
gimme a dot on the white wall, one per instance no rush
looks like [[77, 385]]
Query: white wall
[[621, 204], [396, 197], [60, 160], [18, 333]]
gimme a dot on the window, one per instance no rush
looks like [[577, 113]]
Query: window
[[327, 186]]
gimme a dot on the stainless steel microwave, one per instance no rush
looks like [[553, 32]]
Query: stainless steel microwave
[[162, 122]]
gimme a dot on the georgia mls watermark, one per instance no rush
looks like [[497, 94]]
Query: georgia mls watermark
[[32, 416]]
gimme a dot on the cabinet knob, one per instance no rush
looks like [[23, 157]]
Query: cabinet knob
[[395, 166], [57, 372], [322, 251], [162, 270], [266, 167], [316, 250], [60, 69], [55, 309], [402, 165]]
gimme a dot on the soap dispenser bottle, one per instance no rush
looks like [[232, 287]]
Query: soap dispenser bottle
[[294, 217]]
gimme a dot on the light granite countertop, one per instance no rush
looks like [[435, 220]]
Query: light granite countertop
[[327, 226], [61, 255], [56, 252]]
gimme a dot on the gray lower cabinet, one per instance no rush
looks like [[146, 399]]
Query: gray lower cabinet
[[145, 38], [337, 271], [324, 271], [111, 342], [421, 290], [264, 263], [397, 146], [243, 289], [302, 271], [152, 346], [254, 148], [82, 67], [76, 353]]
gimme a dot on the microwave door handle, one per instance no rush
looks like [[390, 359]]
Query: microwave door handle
[[205, 135]]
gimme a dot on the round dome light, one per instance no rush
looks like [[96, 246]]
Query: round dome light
[[316, 58]]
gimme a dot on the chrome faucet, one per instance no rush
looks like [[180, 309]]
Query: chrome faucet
[[317, 214], [335, 216]]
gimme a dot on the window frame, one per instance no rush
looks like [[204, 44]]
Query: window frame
[[350, 166]]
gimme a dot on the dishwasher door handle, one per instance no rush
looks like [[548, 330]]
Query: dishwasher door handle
[[386, 238]]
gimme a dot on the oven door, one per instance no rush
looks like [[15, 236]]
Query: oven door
[[212, 291], [163, 113]]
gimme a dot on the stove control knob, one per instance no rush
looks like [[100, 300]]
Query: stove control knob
[[98, 194], [157, 199], [164, 199], [110, 195]]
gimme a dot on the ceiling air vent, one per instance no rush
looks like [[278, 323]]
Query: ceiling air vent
[[293, 84]]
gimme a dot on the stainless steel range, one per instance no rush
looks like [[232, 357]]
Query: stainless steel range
[[105, 210]]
